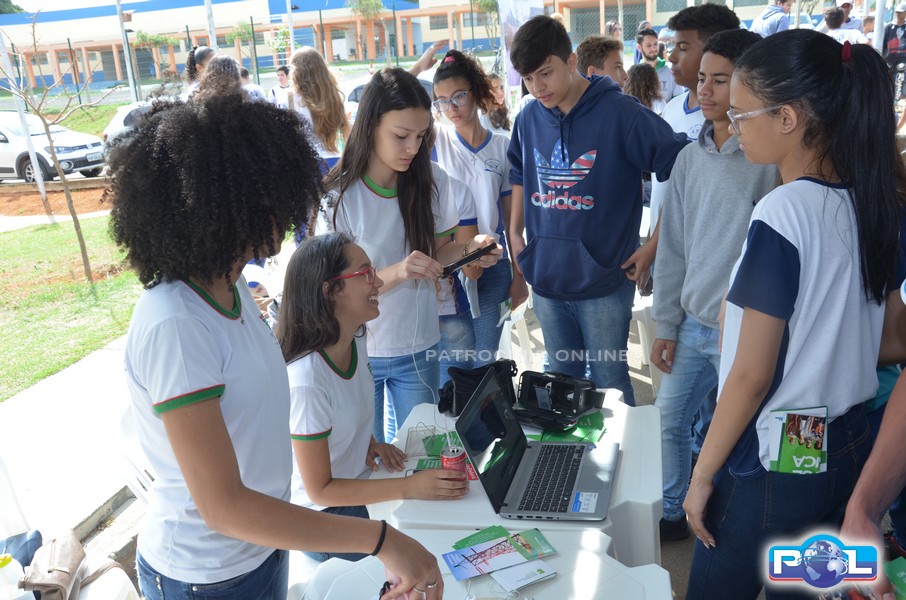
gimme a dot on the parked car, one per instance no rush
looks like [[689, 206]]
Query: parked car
[[77, 152], [124, 117], [353, 88]]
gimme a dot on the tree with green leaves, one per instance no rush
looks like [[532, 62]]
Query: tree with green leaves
[[280, 41], [367, 10], [7, 7], [492, 23]]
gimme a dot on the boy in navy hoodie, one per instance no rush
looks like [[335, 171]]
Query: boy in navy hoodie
[[577, 156]]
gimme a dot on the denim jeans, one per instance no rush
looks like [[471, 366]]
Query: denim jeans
[[593, 331], [493, 288], [747, 514], [269, 581], [346, 511], [408, 380], [683, 392], [456, 347]]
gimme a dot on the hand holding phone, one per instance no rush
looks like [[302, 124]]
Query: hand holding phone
[[467, 259]]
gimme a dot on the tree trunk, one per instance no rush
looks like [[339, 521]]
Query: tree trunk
[[86, 263]]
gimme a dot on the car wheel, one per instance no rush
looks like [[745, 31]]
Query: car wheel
[[93, 172], [28, 171]]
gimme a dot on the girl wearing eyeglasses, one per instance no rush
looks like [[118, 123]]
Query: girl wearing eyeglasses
[[477, 157], [396, 205], [805, 309], [332, 290]]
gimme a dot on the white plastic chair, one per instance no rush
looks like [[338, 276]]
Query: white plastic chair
[[12, 519], [517, 320], [255, 274], [137, 471], [641, 314]]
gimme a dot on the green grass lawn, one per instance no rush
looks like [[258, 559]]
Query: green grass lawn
[[48, 315], [89, 119]]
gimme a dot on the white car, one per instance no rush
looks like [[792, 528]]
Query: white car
[[352, 90], [77, 152], [124, 117]]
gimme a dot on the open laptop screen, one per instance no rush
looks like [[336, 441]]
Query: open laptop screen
[[492, 438]]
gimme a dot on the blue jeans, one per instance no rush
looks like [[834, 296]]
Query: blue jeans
[[409, 380], [747, 513], [457, 344], [493, 288], [686, 389], [593, 331], [270, 581], [346, 511]]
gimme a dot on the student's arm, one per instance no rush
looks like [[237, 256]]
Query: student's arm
[[465, 234], [893, 336], [204, 451], [417, 265], [516, 227], [313, 458], [638, 265], [749, 380], [518, 287], [428, 58], [881, 480]]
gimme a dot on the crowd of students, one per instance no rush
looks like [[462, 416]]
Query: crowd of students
[[775, 229]]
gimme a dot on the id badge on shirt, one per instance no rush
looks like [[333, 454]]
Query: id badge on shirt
[[799, 440]]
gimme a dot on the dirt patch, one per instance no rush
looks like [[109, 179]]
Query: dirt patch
[[20, 204]]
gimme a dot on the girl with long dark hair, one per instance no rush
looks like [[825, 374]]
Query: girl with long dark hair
[[331, 291], [806, 304], [396, 205], [477, 157]]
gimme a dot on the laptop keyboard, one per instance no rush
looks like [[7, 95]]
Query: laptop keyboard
[[551, 483]]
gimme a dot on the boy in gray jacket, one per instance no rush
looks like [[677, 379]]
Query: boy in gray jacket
[[706, 211]]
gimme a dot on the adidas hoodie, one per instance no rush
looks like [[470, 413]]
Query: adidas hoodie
[[582, 181]]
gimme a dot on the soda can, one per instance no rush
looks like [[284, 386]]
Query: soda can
[[453, 458]]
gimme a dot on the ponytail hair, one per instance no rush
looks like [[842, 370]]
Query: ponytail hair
[[457, 64], [845, 94], [198, 56]]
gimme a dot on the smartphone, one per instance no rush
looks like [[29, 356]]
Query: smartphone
[[467, 259]]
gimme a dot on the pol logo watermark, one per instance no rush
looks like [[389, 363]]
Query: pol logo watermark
[[822, 561]]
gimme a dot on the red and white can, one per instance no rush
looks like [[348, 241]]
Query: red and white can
[[453, 458]]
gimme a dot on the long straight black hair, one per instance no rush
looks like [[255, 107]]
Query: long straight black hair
[[388, 90], [846, 95]]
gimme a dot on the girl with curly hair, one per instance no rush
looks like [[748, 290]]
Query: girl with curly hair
[[474, 155], [331, 291], [221, 77], [389, 197], [317, 97], [206, 377], [496, 118], [644, 85]]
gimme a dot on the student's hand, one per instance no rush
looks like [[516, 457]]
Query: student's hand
[[437, 484], [859, 528], [518, 290], [472, 271], [419, 266], [696, 506], [429, 57], [638, 266], [411, 569], [662, 352], [392, 457], [490, 259], [517, 245]]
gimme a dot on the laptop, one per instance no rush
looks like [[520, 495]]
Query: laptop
[[533, 480]]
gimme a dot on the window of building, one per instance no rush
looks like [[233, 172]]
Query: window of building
[[438, 22]]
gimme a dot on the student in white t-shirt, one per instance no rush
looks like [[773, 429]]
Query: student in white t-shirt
[[279, 94], [806, 305], [477, 157], [207, 381], [386, 193], [331, 292], [196, 61], [316, 96]]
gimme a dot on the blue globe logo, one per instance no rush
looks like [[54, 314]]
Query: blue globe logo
[[825, 565]]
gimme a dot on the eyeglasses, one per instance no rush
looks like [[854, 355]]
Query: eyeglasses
[[458, 99], [735, 117], [369, 273]]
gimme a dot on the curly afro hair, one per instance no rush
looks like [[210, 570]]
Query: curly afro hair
[[196, 186]]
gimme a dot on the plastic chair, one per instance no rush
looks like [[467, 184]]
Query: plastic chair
[[12, 519], [137, 472], [641, 314], [255, 274], [517, 320]]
